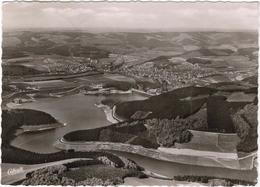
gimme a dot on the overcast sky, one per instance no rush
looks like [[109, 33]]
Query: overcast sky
[[134, 15]]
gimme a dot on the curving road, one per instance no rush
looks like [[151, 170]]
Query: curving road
[[183, 156]]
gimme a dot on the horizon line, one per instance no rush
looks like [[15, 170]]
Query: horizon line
[[110, 29]]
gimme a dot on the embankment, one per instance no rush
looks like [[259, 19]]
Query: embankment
[[108, 112]]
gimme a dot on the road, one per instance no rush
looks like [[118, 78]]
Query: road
[[55, 76], [131, 181], [183, 156]]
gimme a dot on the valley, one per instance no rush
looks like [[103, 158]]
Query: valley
[[149, 97]]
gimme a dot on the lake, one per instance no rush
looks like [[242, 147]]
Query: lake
[[77, 111]]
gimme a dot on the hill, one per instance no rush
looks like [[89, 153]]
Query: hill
[[97, 45], [165, 105]]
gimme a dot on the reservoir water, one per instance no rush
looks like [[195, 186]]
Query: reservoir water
[[77, 111]]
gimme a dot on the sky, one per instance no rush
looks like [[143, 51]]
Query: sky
[[185, 16]]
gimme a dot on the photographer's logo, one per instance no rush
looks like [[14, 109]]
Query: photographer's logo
[[14, 171]]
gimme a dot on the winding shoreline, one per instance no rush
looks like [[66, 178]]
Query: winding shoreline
[[108, 112]]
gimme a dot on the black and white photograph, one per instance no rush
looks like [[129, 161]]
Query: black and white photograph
[[129, 93]]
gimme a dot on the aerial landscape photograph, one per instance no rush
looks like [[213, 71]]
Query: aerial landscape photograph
[[129, 93]]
